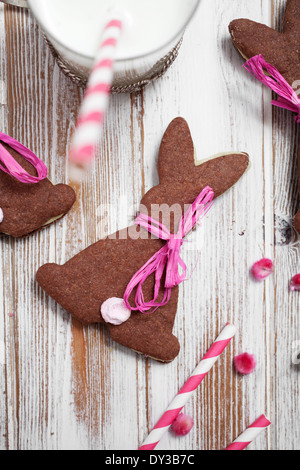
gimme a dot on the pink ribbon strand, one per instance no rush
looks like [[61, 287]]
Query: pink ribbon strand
[[288, 98], [167, 260], [13, 168]]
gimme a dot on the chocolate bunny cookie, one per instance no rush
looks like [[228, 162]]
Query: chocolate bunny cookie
[[102, 271]]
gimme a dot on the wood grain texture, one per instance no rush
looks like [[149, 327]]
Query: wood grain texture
[[65, 386]]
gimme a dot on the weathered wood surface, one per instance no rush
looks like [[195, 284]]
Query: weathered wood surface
[[65, 386]]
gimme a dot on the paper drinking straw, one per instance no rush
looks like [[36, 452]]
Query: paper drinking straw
[[250, 434], [189, 387], [96, 97]]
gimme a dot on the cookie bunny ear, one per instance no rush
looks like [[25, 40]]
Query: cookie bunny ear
[[291, 17], [61, 199], [222, 171], [251, 38], [182, 177], [179, 168], [176, 153]]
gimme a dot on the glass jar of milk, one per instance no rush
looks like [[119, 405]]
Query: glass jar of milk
[[148, 45]]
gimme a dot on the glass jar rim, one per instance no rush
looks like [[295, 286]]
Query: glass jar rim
[[122, 60]]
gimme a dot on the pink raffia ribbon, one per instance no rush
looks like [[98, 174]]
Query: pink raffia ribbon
[[13, 168], [250, 434], [167, 260], [288, 98]]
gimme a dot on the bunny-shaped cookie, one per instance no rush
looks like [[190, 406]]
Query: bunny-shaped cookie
[[282, 50], [279, 49], [103, 270], [28, 207]]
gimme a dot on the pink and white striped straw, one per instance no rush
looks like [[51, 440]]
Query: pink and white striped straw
[[250, 434], [96, 97], [189, 387]]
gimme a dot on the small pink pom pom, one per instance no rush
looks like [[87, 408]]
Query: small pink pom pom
[[245, 363], [182, 424], [262, 269], [295, 283]]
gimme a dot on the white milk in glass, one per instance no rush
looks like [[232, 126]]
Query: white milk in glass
[[75, 27]]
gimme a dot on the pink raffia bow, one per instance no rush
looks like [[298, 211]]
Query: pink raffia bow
[[167, 259], [13, 168], [288, 98]]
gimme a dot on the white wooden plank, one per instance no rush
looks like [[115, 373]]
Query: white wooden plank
[[8, 428]]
